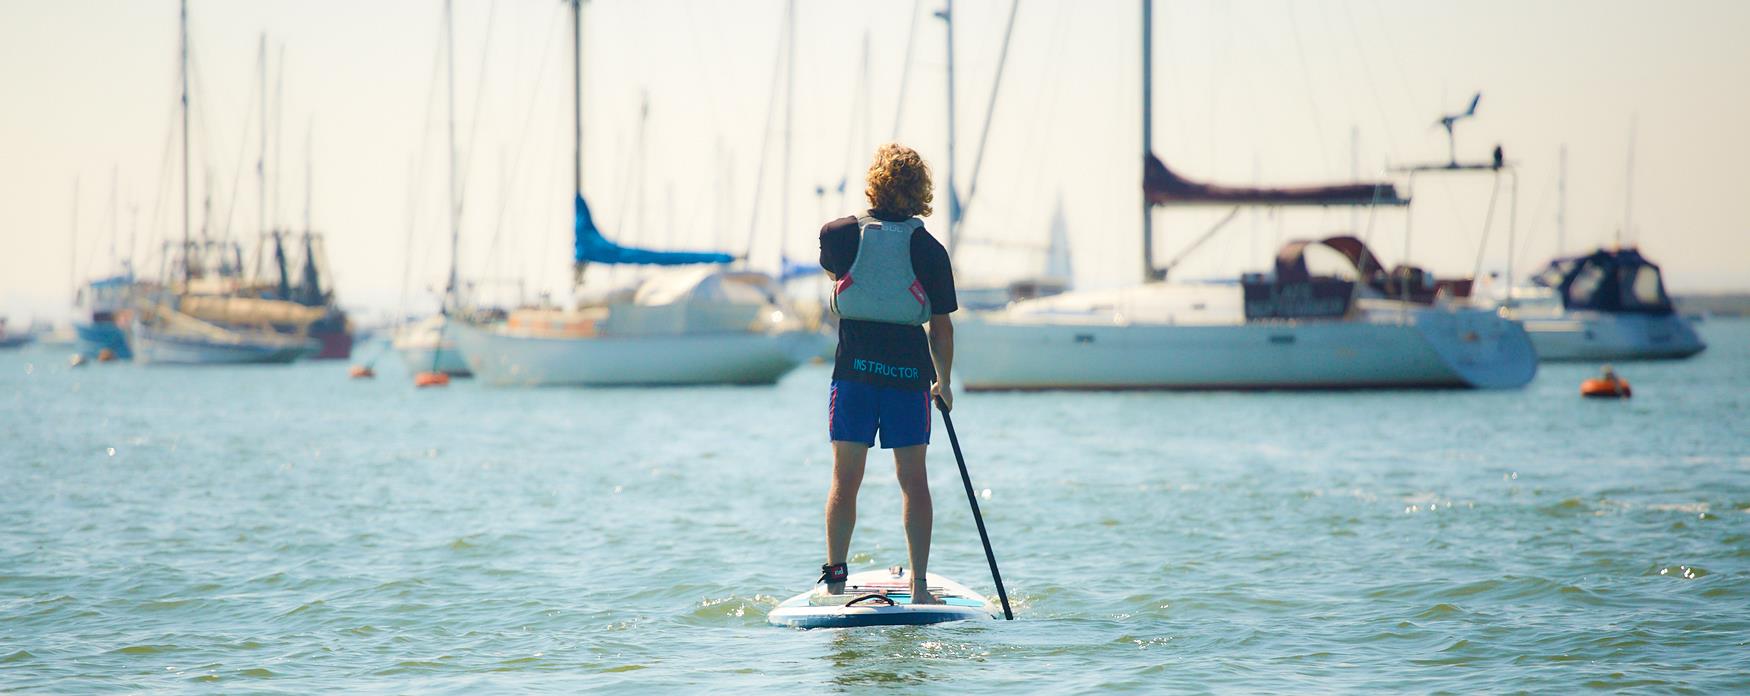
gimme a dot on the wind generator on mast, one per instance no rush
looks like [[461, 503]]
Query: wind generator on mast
[[1450, 120]]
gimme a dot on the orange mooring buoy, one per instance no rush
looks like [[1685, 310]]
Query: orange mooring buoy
[[1600, 388], [431, 379], [361, 372]]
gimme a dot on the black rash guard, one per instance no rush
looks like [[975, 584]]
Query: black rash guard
[[882, 354]]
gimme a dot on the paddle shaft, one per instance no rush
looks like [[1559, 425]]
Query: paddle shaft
[[977, 517]]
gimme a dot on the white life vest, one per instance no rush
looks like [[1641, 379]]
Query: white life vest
[[881, 284]]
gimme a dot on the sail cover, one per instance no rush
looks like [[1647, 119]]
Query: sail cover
[[791, 269], [592, 247], [1163, 187]]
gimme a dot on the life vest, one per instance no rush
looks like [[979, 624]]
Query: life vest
[[881, 284]]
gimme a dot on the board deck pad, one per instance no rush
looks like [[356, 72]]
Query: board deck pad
[[818, 609]]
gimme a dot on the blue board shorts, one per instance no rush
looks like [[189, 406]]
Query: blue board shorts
[[858, 410]]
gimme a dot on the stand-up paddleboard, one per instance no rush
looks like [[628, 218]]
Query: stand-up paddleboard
[[880, 598]]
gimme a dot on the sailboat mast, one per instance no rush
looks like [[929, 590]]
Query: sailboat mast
[[1148, 105], [279, 105], [577, 267], [261, 165], [1628, 188], [310, 180], [261, 155], [947, 15], [450, 90], [1562, 201], [789, 91], [577, 96], [73, 244], [185, 192]]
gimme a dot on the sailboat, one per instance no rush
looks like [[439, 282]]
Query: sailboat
[[695, 321], [1362, 327], [428, 346], [196, 321]]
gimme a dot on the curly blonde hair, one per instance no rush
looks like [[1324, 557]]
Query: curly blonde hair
[[899, 182]]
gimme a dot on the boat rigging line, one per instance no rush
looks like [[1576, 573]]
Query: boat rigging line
[[911, 37], [989, 114], [759, 179], [516, 155]]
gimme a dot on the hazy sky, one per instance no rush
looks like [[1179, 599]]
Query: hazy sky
[[1271, 89]]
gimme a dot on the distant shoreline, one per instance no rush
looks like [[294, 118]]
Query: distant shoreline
[[1723, 304]]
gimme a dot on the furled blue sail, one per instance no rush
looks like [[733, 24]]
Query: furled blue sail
[[592, 247], [791, 269]]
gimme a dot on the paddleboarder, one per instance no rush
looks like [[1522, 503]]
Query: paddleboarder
[[891, 278]]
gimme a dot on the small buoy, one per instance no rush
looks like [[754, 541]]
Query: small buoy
[[76, 360], [361, 372], [431, 379], [105, 355]]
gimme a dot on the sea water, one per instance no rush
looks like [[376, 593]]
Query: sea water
[[285, 529]]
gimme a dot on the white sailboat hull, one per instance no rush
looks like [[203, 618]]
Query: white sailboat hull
[[1601, 336], [430, 346], [502, 359], [1387, 346]]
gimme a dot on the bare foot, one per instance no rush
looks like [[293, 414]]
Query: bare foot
[[920, 594], [835, 588]]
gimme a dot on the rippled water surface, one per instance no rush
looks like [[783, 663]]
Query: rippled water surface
[[287, 530]]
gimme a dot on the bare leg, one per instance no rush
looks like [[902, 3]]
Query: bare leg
[[914, 490], [848, 459]]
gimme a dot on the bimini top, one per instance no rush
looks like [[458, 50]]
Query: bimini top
[[1619, 280], [592, 247], [1162, 187]]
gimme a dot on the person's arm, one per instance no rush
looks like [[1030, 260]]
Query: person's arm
[[937, 276], [826, 260], [942, 356]]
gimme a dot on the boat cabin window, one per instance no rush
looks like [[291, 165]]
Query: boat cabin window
[[1585, 285], [1645, 290]]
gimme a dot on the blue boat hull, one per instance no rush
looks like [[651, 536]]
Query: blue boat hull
[[96, 336]]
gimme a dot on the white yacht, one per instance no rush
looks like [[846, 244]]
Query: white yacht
[[1609, 305], [1288, 330]]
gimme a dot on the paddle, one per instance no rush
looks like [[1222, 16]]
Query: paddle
[[977, 517]]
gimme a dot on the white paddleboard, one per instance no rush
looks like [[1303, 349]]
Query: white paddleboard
[[880, 598]]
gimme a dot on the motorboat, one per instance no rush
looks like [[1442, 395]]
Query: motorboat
[[1609, 305]]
